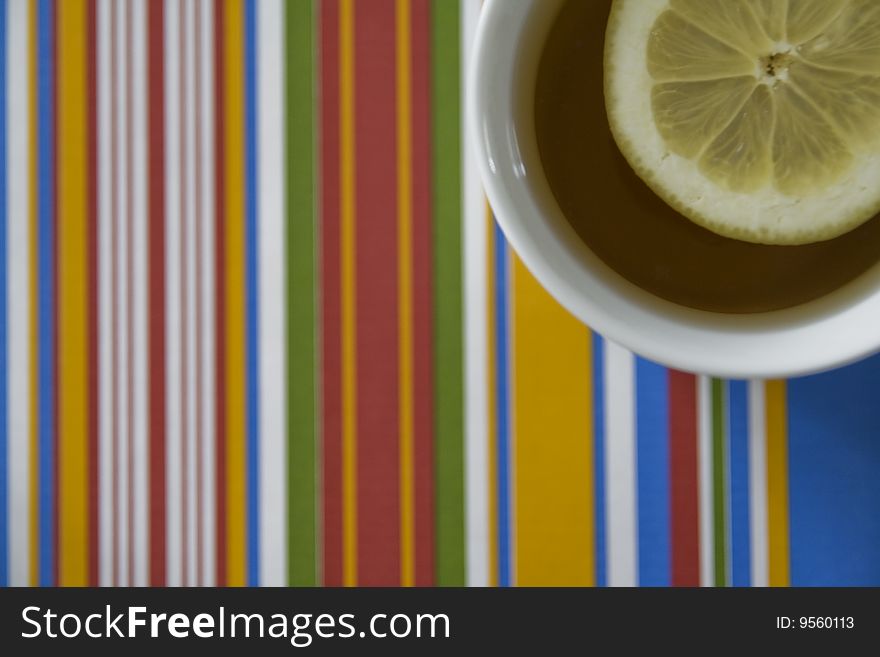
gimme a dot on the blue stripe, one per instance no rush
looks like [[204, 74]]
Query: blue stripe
[[834, 487], [740, 539], [599, 456], [46, 285], [252, 284], [502, 355], [4, 369], [652, 458]]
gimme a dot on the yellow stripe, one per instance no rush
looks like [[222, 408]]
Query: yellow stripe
[[72, 297], [404, 299], [777, 483], [34, 387], [491, 399], [552, 398], [348, 284], [235, 294]]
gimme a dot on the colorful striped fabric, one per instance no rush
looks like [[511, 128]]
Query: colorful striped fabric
[[259, 328]]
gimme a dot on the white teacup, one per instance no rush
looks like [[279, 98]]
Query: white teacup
[[837, 329]]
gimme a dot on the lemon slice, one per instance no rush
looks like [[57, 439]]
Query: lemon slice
[[758, 119]]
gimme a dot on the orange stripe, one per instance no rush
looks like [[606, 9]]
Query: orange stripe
[[235, 295], [348, 284], [404, 296], [72, 294], [777, 484]]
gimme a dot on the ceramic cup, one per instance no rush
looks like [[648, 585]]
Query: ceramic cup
[[832, 331]]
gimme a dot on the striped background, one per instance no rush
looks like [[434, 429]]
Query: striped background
[[258, 327]]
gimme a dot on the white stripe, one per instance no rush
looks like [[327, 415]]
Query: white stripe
[[475, 336], [140, 485], [704, 458], [758, 484], [206, 125], [174, 538], [620, 466], [18, 289], [190, 282], [273, 452], [106, 393], [122, 494]]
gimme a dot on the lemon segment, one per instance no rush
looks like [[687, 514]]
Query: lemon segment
[[758, 119], [740, 157], [850, 101], [807, 19], [680, 51], [730, 21], [850, 42], [689, 115], [772, 15], [807, 152]]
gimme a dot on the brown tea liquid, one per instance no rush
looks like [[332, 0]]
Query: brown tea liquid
[[633, 230]]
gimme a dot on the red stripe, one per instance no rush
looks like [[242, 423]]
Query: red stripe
[[219, 278], [93, 294], [156, 56], [422, 296], [377, 312], [683, 475], [330, 295]]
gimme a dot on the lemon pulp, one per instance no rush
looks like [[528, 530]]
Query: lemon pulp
[[758, 119]]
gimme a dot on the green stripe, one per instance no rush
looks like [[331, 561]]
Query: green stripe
[[448, 352], [718, 481], [301, 294]]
